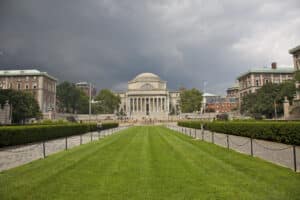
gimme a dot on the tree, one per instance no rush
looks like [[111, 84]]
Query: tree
[[107, 102], [190, 100], [24, 105], [264, 100], [71, 99]]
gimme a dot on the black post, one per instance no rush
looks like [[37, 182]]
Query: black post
[[227, 138], [295, 158], [190, 132], [212, 137], [66, 143], [195, 133], [44, 149], [251, 146], [80, 140], [202, 134], [91, 136]]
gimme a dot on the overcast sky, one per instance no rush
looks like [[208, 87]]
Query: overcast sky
[[185, 42]]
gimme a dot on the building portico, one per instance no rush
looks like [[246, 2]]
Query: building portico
[[147, 97]]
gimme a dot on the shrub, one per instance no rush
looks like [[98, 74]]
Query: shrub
[[15, 135], [284, 132], [108, 125]]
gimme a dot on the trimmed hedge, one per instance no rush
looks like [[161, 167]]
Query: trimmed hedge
[[283, 132], [109, 125], [16, 135]]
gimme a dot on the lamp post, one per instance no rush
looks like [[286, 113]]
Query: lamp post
[[90, 102]]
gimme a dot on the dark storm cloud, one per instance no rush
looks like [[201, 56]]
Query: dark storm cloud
[[186, 42]]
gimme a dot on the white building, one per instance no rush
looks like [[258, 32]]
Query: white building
[[147, 97]]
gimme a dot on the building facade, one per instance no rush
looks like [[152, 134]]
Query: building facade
[[147, 97], [254, 79], [233, 92], [85, 87], [40, 84]]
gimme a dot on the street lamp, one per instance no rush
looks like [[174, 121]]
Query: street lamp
[[90, 101]]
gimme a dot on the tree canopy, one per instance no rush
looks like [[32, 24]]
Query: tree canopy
[[190, 100], [106, 102], [263, 101], [24, 105], [71, 99]]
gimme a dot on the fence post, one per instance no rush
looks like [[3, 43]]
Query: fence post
[[190, 132], [91, 136], [212, 137], [66, 143], [227, 138], [295, 158], [251, 146], [80, 140], [202, 131], [44, 149], [195, 133]]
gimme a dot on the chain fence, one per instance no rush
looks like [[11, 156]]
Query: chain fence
[[277, 153], [18, 155]]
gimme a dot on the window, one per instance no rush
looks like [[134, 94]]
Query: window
[[257, 82], [26, 86], [34, 86], [266, 81], [19, 86]]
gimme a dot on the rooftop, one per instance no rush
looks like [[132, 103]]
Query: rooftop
[[144, 77], [286, 70], [26, 72]]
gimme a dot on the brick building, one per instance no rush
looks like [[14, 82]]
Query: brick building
[[254, 79], [40, 84]]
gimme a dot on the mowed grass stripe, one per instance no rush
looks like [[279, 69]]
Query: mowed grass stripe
[[149, 163]]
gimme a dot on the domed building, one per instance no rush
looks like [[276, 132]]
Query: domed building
[[147, 97]]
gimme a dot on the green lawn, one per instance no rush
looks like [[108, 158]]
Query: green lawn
[[149, 163]]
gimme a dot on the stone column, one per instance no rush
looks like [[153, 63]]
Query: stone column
[[130, 105], [161, 104], [152, 104], [286, 108]]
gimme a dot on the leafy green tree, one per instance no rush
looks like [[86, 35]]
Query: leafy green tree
[[263, 101], [24, 105], [107, 102], [190, 100], [297, 76], [71, 99]]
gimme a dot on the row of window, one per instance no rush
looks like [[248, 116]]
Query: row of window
[[19, 86], [258, 83]]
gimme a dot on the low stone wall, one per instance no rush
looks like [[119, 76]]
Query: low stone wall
[[277, 153], [18, 155]]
